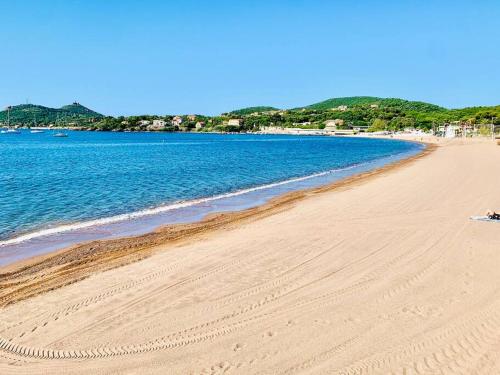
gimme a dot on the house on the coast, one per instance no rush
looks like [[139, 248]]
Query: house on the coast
[[177, 121], [331, 125], [200, 125], [157, 125]]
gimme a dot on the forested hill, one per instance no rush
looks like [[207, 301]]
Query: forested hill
[[380, 102], [28, 114], [370, 112], [250, 110], [353, 101]]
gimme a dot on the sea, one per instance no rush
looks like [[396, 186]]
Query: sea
[[56, 192]]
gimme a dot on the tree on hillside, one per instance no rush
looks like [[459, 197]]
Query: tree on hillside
[[378, 125]]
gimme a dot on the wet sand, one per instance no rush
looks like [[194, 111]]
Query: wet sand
[[380, 273]]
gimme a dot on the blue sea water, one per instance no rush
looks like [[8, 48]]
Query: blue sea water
[[48, 183]]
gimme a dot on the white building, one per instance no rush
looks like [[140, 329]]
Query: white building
[[177, 120], [157, 125], [452, 131]]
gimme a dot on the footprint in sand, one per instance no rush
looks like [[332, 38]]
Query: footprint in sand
[[270, 334], [323, 322], [237, 347], [352, 319]]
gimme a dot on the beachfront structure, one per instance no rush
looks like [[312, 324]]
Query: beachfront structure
[[295, 131], [331, 125], [450, 130], [235, 122], [200, 125], [144, 122], [191, 117]]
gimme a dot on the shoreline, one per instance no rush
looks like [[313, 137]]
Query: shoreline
[[49, 238], [83, 259], [161, 208]]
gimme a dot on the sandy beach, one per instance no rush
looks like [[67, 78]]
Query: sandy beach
[[381, 274]]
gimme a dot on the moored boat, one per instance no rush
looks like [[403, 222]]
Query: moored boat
[[34, 130], [9, 129], [59, 134]]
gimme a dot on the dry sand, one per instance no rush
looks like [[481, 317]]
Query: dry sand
[[384, 276]]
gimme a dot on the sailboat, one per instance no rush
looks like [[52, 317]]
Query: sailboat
[[34, 126], [59, 134], [9, 130]]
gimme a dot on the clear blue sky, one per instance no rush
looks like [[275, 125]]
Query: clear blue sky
[[162, 57]]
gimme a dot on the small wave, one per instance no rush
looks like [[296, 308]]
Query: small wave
[[163, 208]]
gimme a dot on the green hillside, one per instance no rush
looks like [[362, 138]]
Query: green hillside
[[348, 101], [371, 112], [250, 110], [381, 102], [367, 112], [27, 114]]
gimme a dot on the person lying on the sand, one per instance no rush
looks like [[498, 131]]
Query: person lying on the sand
[[493, 215]]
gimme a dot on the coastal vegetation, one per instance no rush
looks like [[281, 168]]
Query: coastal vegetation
[[250, 110], [363, 112]]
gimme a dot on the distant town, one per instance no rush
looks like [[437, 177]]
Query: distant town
[[337, 116]]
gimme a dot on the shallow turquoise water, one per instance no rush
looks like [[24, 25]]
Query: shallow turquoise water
[[46, 182]]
